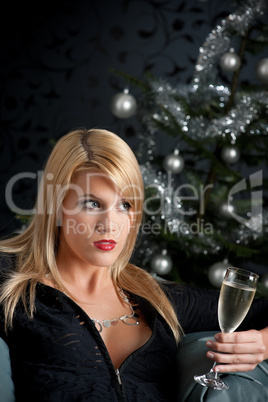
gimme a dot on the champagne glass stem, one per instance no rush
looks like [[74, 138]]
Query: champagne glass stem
[[214, 373], [211, 370], [211, 379]]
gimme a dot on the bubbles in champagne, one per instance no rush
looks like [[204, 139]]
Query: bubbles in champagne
[[234, 303]]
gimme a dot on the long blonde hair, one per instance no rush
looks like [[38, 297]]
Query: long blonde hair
[[36, 247]]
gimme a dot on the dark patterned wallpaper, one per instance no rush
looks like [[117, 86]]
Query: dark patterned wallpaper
[[55, 61]]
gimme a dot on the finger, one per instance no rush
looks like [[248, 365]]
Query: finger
[[236, 348], [236, 359], [234, 368], [239, 337]]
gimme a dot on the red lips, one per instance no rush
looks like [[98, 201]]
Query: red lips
[[105, 245]]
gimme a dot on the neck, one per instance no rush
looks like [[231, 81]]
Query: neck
[[83, 282]]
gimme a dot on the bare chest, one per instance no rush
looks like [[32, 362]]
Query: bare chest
[[122, 339]]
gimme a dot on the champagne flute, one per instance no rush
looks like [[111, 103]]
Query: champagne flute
[[236, 295]]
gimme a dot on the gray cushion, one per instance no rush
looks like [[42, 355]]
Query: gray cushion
[[247, 386], [6, 383]]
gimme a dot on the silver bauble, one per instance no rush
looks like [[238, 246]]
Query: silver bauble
[[230, 61], [216, 272], [226, 210], [123, 105], [262, 70], [264, 280], [230, 154], [161, 264], [173, 163]]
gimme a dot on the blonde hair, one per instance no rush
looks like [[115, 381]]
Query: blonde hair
[[36, 247]]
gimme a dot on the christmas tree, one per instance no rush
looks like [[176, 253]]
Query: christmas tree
[[205, 202]]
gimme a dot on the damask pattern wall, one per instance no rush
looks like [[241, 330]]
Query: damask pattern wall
[[55, 72]]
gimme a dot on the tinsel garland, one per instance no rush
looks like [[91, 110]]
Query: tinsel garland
[[204, 91], [182, 103], [233, 124], [218, 41]]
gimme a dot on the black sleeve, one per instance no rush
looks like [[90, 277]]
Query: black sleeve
[[257, 317], [197, 309]]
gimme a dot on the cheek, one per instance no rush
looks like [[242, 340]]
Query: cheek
[[78, 225]]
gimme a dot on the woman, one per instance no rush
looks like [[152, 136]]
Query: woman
[[81, 322]]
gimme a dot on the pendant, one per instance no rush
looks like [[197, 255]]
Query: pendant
[[127, 320], [98, 325]]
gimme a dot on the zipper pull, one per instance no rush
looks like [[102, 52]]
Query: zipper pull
[[118, 376]]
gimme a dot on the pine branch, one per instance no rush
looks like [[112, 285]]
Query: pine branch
[[144, 87], [173, 129], [234, 83], [239, 250]]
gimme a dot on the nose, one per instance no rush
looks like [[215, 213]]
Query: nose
[[107, 223]]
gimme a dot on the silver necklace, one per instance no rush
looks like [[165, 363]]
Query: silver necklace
[[126, 319], [114, 321]]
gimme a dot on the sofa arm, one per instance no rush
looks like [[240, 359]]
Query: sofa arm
[[6, 383], [192, 360]]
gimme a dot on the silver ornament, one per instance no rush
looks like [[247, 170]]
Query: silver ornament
[[173, 163], [230, 154], [161, 264], [123, 105], [226, 210], [262, 70], [216, 272], [230, 61], [264, 281]]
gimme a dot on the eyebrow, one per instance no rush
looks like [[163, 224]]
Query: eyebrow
[[90, 196], [95, 197]]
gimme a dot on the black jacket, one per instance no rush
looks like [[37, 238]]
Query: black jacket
[[59, 356]]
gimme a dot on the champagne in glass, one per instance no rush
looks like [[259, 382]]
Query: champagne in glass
[[234, 303], [236, 295]]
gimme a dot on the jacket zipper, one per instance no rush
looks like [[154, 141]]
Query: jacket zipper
[[117, 372], [123, 396], [92, 326]]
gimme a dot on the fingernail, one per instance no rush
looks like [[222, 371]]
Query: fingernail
[[217, 369], [211, 355], [216, 337], [209, 344]]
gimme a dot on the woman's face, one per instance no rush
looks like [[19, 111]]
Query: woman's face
[[96, 221]]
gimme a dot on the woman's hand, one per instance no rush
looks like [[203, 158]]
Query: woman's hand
[[238, 351]]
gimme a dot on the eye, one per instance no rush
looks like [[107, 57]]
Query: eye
[[124, 206], [91, 204]]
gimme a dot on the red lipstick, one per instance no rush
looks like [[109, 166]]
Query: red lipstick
[[105, 245]]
